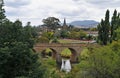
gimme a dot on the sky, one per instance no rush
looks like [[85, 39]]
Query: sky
[[37, 10]]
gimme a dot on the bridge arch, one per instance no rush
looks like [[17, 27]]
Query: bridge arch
[[57, 49], [52, 53], [73, 57]]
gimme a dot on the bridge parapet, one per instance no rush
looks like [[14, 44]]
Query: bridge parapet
[[60, 44]]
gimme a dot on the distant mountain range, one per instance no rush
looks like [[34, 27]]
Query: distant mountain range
[[84, 23]]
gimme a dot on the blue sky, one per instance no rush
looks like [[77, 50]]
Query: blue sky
[[36, 10]]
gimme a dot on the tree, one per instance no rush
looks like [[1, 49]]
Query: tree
[[103, 30], [102, 62], [29, 34], [16, 52], [17, 57], [114, 25], [64, 34], [71, 27], [106, 28], [17, 61], [6, 33], [49, 35], [100, 32], [51, 22], [74, 35], [117, 34], [2, 12], [82, 34]]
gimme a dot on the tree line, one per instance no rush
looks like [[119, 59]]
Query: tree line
[[17, 57], [107, 29]]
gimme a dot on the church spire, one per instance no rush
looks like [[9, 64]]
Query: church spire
[[64, 24]]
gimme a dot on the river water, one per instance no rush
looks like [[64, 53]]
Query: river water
[[66, 65]]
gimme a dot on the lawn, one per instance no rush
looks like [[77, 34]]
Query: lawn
[[71, 41]]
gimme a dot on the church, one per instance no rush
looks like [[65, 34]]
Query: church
[[65, 26]]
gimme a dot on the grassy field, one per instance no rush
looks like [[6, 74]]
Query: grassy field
[[71, 41]]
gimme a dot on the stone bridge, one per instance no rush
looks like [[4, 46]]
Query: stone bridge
[[75, 49]]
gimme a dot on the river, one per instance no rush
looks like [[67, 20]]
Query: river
[[66, 65]]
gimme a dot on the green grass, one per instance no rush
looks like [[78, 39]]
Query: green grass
[[68, 41]]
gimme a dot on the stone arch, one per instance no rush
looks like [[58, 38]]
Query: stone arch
[[52, 54], [73, 57]]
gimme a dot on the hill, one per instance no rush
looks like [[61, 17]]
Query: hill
[[85, 23]]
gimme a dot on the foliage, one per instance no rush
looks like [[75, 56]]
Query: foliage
[[42, 40], [51, 22], [55, 40], [2, 12], [48, 35], [117, 34], [77, 35], [48, 50], [89, 37], [51, 62], [18, 61], [84, 54], [114, 25], [93, 29], [82, 34], [52, 73], [16, 51], [74, 35], [101, 62], [66, 53], [106, 30], [103, 30], [64, 33]]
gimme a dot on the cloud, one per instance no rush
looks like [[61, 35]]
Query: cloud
[[16, 3], [101, 3], [36, 10]]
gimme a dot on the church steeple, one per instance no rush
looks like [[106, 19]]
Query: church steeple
[[64, 24]]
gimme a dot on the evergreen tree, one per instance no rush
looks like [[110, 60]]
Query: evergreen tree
[[17, 57], [118, 20], [2, 11], [103, 30], [114, 25], [106, 28], [117, 33], [100, 32]]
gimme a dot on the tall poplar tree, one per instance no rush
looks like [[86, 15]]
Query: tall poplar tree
[[118, 20], [114, 25], [100, 32], [103, 30], [106, 28]]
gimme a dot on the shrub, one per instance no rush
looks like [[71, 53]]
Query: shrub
[[43, 40]]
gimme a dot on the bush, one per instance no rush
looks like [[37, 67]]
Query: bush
[[55, 40], [43, 40]]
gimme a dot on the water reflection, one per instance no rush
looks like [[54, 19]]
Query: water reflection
[[66, 65]]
